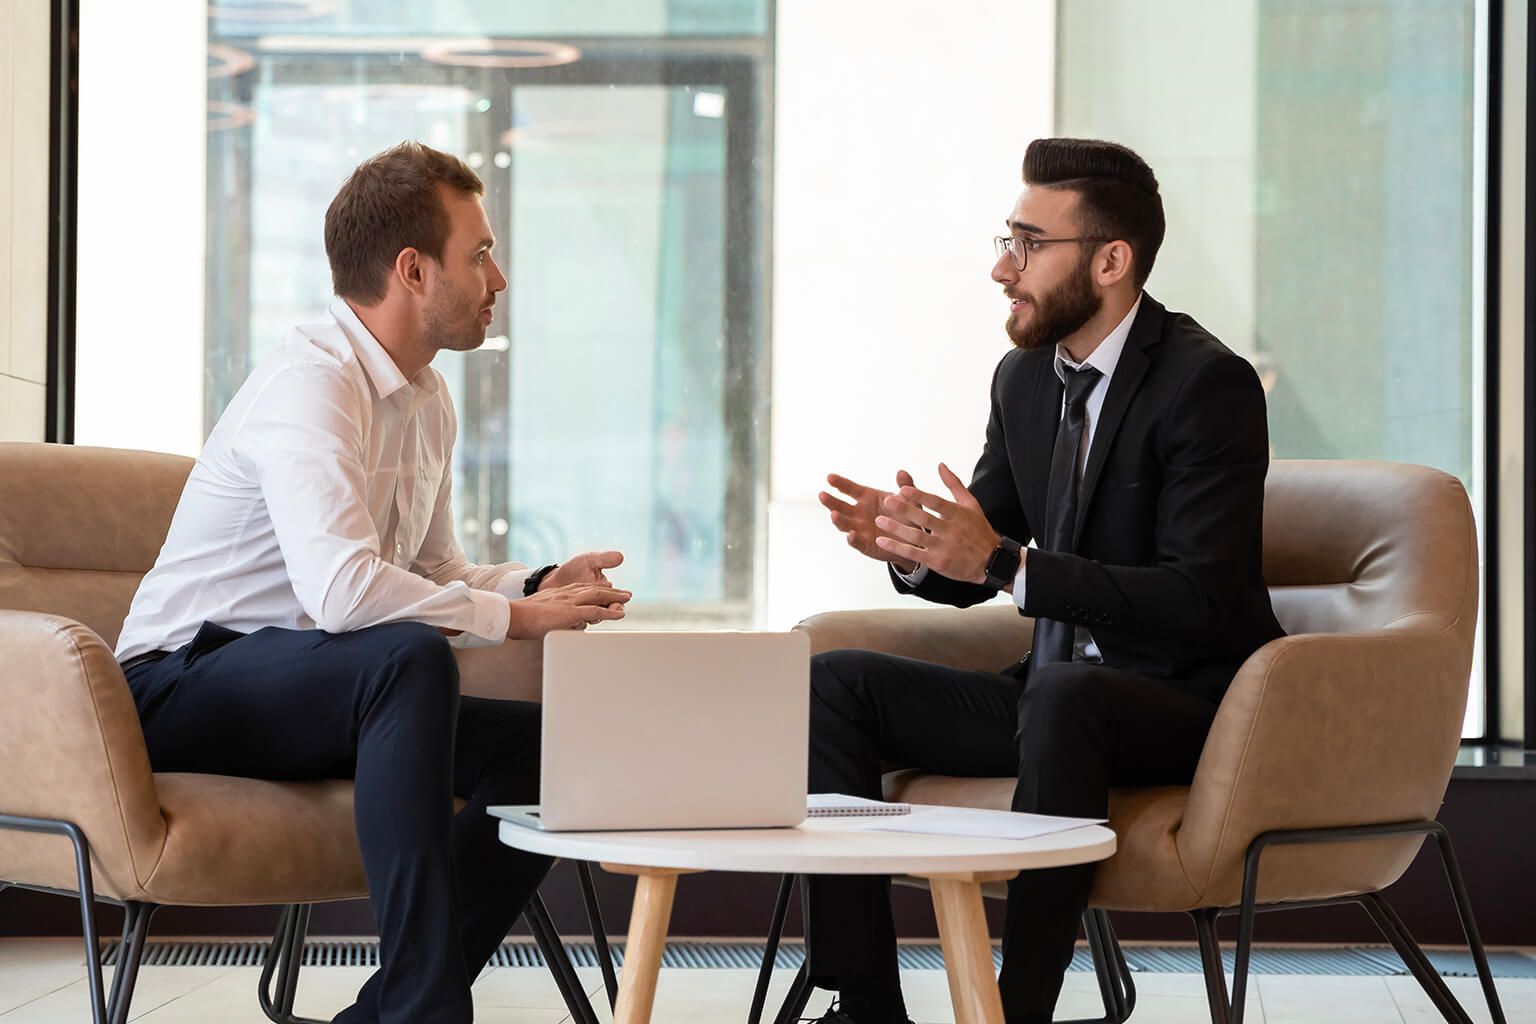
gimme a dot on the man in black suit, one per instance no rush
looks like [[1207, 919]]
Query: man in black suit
[[1131, 447]]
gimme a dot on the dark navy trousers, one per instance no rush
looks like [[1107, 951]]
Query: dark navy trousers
[[380, 706], [1069, 735]]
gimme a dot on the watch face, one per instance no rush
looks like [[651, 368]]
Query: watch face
[[1003, 566]]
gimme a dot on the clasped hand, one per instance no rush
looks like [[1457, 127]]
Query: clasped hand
[[574, 596], [911, 527]]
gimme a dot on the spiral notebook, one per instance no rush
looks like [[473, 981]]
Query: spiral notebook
[[840, 805]]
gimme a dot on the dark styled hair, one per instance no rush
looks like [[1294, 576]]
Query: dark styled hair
[[390, 202], [1116, 190]]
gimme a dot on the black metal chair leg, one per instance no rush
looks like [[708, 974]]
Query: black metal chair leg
[[1122, 968], [86, 894], [279, 981], [1468, 923], [130, 954], [771, 950], [1414, 959], [799, 994], [1213, 969], [548, 939], [1103, 968], [599, 933]]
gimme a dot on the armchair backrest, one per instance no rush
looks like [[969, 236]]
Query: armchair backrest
[[79, 527], [1354, 717], [1353, 546]]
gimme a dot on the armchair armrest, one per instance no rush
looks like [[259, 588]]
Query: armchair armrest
[[71, 748], [1324, 730], [989, 638], [513, 670]]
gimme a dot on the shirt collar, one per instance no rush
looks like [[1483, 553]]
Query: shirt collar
[[1107, 355], [376, 362]]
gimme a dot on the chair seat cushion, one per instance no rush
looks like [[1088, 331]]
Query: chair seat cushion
[[1145, 821], [233, 841]]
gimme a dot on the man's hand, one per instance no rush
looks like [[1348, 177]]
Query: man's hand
[[589, 567], [857, 519], [576, 606], [950, 537]]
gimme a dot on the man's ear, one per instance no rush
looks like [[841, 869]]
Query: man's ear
[[1112, 264], [410, 268]]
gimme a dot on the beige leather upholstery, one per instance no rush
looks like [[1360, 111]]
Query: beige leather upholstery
[[78, 528], [1353, 718]]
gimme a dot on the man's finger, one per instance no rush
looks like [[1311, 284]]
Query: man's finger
[[604, 559], [835, 504], [956, 485], [943, 506], [910, 534], [848, 487], [904, 511], [593, 594], [903, 478], [900, 550]]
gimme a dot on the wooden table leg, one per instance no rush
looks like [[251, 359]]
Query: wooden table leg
[[967, 945], [654, 889]]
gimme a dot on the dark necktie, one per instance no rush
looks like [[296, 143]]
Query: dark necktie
[[1054, 639]]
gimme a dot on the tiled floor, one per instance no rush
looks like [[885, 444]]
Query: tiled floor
[[42, 981]]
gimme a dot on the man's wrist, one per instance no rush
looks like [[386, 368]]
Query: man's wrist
[[1003, 564], [536, 579]]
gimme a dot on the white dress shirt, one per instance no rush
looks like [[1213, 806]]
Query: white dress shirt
[[1104, 358], [322, 499]]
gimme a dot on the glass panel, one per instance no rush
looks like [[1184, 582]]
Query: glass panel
[[588, 18], [610, 406], [1320, 172], [618, 433]]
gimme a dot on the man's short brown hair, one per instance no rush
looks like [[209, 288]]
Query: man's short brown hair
[[390, 202]]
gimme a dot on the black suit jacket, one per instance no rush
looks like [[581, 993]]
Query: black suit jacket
[[1167, 568]]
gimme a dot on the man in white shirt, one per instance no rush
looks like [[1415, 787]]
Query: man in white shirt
[[299, 621]]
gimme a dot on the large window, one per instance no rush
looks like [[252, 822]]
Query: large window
[[670, 179], [1323, 170], [666, 178]]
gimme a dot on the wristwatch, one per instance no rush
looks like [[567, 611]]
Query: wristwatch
[[531, 584], [1003, 566]]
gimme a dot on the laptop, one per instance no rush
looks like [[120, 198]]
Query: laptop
[[650, 731]]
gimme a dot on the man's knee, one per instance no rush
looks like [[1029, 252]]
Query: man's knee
[[1058, 702], [419, 657], [838, 686]]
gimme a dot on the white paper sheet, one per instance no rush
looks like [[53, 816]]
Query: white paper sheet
[[966, 821]]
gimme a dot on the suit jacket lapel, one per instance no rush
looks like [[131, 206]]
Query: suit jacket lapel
[[1145, 330], [1044, 419]]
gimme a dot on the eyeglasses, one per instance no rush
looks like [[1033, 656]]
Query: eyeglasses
[[1019, 249]]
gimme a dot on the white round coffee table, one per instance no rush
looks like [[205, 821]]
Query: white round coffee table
[[954, 868]]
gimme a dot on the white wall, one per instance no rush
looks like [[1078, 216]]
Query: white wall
[[900, 130], [24, 96], [139, 324]]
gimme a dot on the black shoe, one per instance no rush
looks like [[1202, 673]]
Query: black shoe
[[837, 1015]]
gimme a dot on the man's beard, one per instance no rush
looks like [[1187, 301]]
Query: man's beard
[[450, 324], [1059, 313]]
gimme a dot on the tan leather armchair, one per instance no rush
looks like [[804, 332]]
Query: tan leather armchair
[[1331, 752], [81, 811]]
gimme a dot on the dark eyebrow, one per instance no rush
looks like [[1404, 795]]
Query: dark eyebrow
[[1023, 228]]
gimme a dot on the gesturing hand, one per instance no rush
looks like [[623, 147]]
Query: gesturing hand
[[576, 606], [856, 519], [950, 537], [588, 567]]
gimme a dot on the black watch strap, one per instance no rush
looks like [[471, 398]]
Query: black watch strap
[[531, 584], [1003, 566]]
